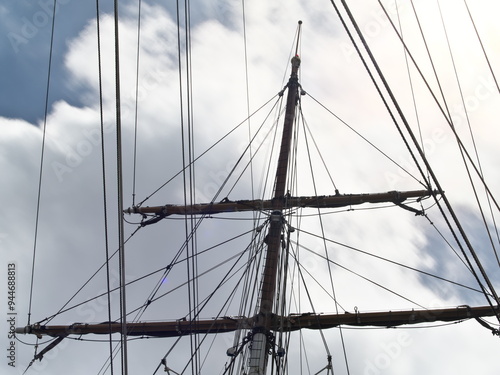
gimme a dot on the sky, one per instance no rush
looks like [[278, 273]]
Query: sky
[[226, 86]]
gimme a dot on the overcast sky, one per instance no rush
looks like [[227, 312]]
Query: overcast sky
[[70, 238]]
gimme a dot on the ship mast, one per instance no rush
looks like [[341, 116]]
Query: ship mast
[[261, 335]]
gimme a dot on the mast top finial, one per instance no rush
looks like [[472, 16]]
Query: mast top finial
[[298, 38]]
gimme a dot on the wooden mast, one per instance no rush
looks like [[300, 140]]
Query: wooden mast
[[261, 334]]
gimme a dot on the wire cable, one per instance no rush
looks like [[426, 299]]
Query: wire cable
[[40, 175], [419, 149], [366, 140], [138, 54], [410, 82], [442, 111], [360, 276], [473, 186], [204, 152], [391, 261], [105, 205], [119, 182], [324, 246], [482, 46], [447, 203]]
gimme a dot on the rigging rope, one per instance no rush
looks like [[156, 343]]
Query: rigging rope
[[384, 82], [105, 205], [410, 82], [391, 261], [300, 268], [306, 127], [40, 175], [431, 61], [366, 140], [119, 182], [248, 148], [424, 80], [62, 309], [479, 205], [325, 249], [461, 149], [228, 275], [247, 86], [204, 152], [482, 46], [434, 178], [417, 146], [138, 53], [357, 274], [189, 179]]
